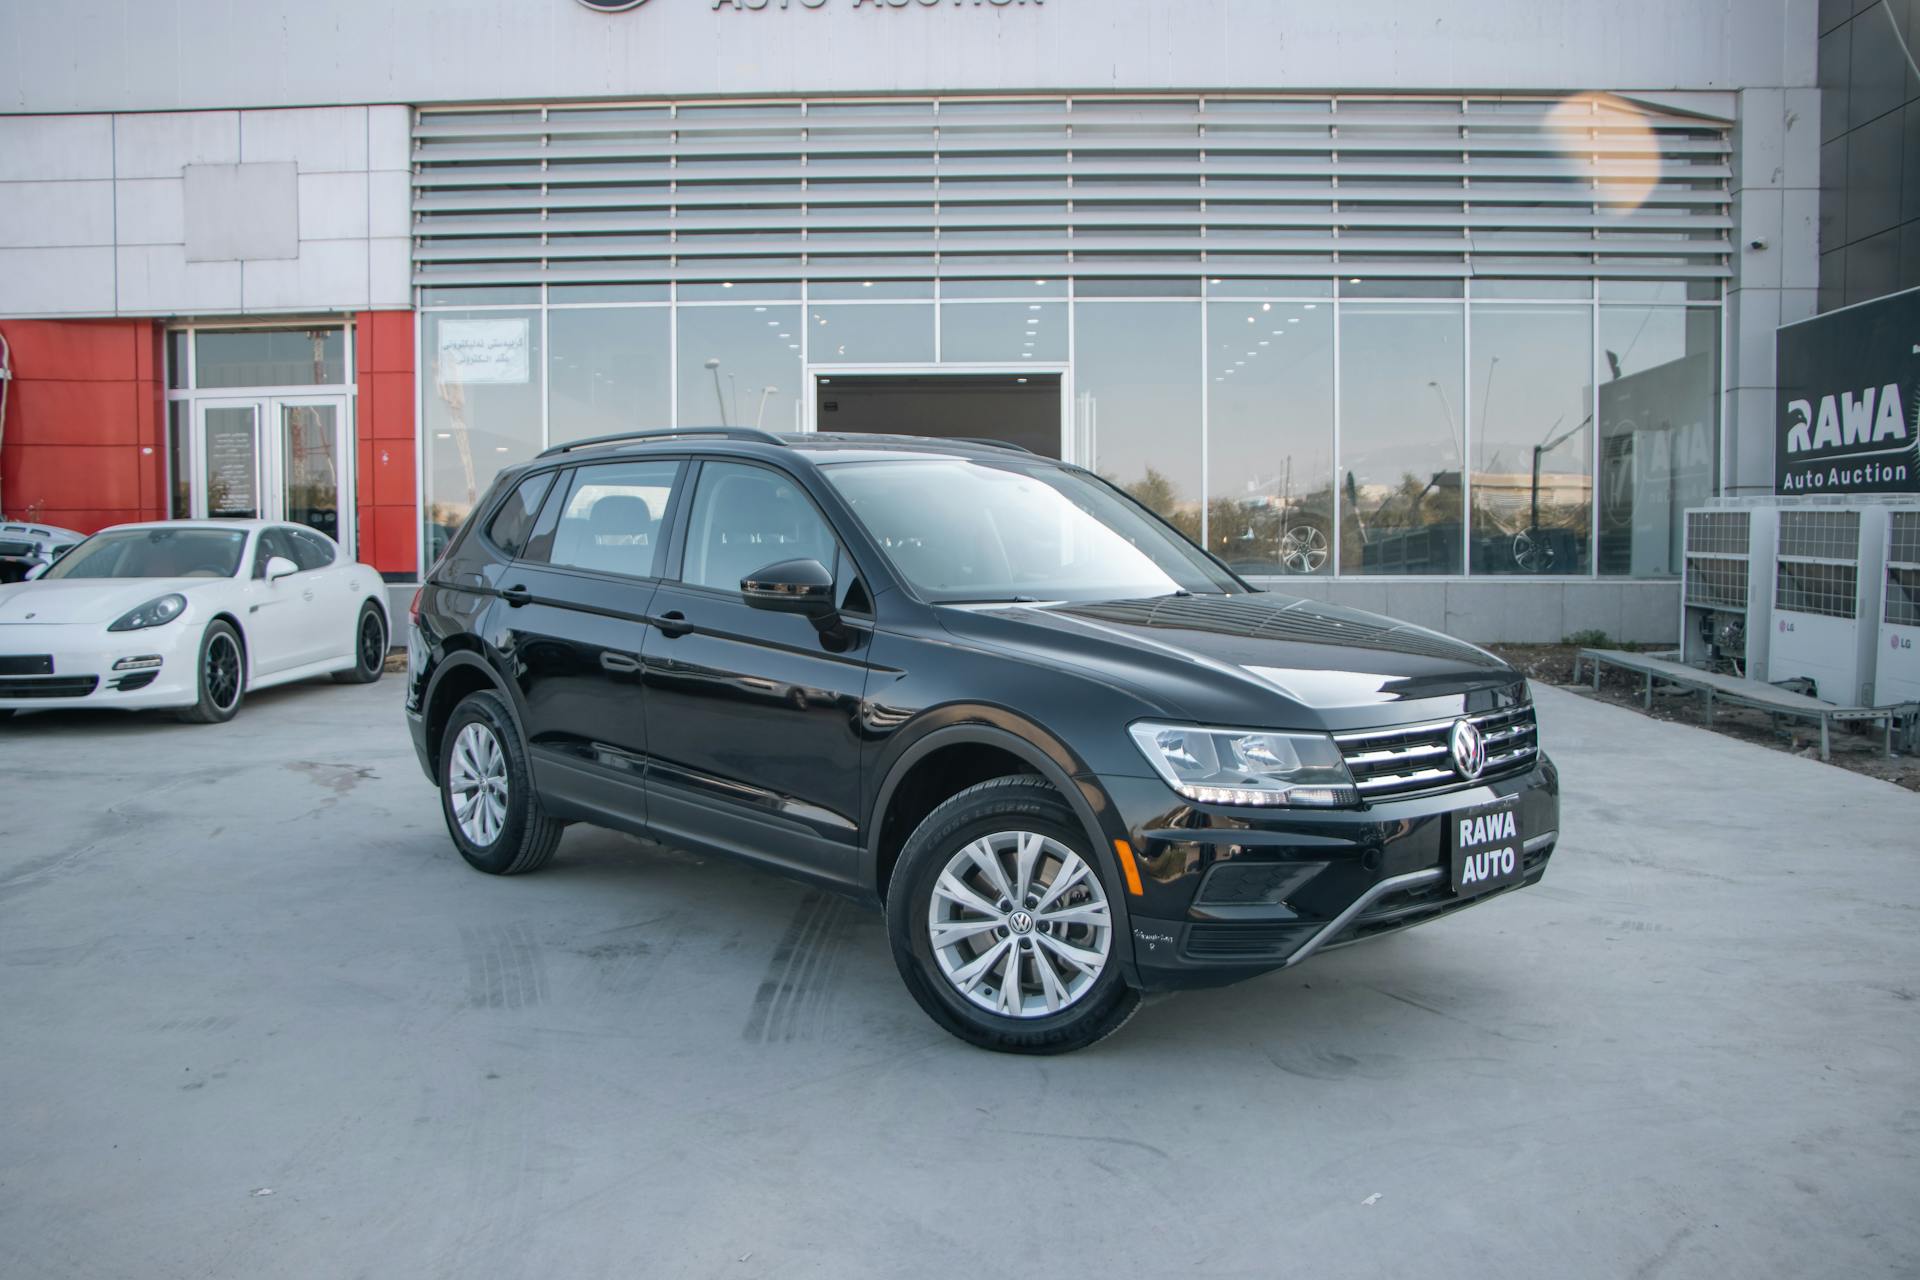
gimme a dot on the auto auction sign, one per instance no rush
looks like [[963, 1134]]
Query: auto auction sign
[[1849, 400]]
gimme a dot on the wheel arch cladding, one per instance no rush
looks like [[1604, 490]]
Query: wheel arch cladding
[[455, 684], [928, 780]]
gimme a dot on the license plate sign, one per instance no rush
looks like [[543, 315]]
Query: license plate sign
[[1486, 848]]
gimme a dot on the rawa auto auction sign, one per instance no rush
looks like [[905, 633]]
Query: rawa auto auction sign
[[1849, 406]]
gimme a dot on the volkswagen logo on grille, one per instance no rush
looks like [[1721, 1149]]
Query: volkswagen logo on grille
[[1469, 749], [1020, 922]]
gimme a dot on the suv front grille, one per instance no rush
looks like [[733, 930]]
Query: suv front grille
[[1416, 758]]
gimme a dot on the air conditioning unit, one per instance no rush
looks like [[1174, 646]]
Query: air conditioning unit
[[1726, 589], [1826, 600], [1897, 666]]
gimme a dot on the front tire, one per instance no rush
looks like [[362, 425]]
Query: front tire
[[369, 648], [1003, 926], [486, 791], [222, 676]]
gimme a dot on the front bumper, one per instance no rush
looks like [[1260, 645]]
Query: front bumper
[[83, 657], [1230, 893]]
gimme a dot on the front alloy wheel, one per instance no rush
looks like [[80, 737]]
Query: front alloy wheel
[[1004, 926], [1019, 924]]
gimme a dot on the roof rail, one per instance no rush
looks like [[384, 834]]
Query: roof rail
[[753, 434], [991, 444]]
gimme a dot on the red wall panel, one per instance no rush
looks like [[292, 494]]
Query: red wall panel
[[388, 497], [84, 443]]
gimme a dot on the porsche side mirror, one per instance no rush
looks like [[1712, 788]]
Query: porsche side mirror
[[279, 567]]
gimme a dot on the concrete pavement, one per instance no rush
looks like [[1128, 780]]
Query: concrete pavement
[[257, 1019]]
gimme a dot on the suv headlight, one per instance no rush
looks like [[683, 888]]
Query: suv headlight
[[154, 613], [1241, 766]]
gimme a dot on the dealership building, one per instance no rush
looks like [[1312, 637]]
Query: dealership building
[[1447, 309]]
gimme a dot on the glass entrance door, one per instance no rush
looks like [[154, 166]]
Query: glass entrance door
[[227, 474], [274, 458]]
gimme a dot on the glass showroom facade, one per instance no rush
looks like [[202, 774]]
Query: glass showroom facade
[[1359, 336]]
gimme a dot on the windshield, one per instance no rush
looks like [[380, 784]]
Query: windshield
[[972, 531], [154, 553]]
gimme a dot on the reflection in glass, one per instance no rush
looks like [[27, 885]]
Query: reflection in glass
[[1532, 438], [740, 366], [1400, 449], [609, 369], [1270, 436], [1137, 402], [482, 376], [270, 357], [309, 443], [230, 455], [1003, 332], [889, 333], [179, 461], [1658, 431]]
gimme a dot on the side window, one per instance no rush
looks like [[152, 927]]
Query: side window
[[745, 518], [310, 550], [273, 542], [511, 525], [611, 521]]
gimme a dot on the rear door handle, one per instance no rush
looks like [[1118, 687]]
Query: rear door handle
[[517, 596], [672, 625]]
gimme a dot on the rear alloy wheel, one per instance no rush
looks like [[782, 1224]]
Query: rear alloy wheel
[[369, 648], [486, 791], [1003, 927], [222, 676]]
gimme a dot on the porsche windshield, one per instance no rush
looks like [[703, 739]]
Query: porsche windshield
[[964, 531], [154, 553]]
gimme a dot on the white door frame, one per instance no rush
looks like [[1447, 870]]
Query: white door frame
[[270, 463], [810, 418]]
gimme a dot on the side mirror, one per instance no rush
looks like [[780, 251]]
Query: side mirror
[[36, 571], [804, 587], [279, 567]]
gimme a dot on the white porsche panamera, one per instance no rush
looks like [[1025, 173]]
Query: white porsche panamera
[[191, 615]]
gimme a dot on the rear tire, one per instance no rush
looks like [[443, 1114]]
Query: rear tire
[[1060, 946], [369, 648], [486, 791], [222, 674]]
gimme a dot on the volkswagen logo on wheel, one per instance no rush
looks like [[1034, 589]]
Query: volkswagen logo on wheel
[[1469, 749], [1020, 922], [612, 6]]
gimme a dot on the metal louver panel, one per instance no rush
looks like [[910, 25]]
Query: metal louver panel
[[961, 187]]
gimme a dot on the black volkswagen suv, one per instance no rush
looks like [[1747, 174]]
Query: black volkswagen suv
[[1073, 757]]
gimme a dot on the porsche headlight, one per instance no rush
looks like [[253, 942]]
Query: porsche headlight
[[154, 613], [1240, 766]]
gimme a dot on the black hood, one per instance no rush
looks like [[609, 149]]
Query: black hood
[[1248, 659]]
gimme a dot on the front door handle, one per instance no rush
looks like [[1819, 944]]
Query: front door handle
[[516, 596], [672, 625]]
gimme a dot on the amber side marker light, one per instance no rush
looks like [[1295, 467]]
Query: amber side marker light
[[1127, 869]]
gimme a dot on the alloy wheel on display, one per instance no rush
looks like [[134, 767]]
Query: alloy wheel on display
[[1019, 924], [223, 671], [477, 784]]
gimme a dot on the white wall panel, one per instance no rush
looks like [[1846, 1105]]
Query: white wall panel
[[329, 275], [36, 214], [150, 210], [333, 206], [172, 54], [158, 279], [161, 145], [55, 282], [321, 140], [52, 148]]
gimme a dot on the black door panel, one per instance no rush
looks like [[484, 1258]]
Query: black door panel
[[573, 651], [754, 731]]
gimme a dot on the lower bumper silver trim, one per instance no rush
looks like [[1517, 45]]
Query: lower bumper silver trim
[[1337, 925]]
